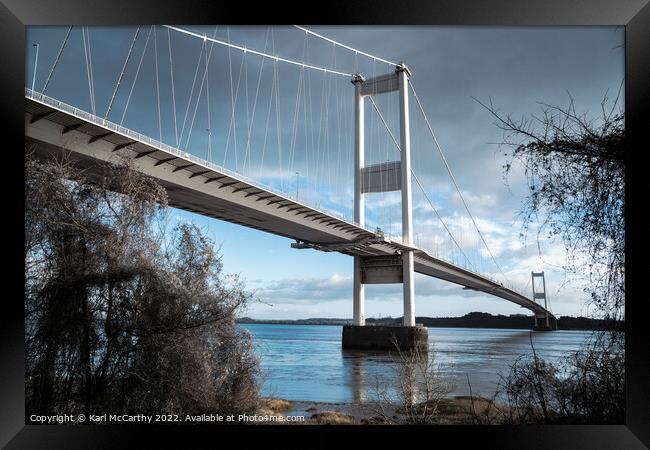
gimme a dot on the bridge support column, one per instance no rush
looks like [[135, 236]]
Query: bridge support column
[[358, 313], [408, 284], [407, 211]]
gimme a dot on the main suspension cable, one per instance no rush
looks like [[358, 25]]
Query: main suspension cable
[[347, 47], [255, 52]]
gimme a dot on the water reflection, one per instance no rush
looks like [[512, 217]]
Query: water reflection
[[369, 373], [355, 364], [372, 375]]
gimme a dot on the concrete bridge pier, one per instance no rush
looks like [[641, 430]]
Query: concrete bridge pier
[[385, 337], [544, 322], [390, 176]]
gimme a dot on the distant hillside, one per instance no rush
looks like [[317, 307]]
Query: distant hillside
[[314, 321], [470, 320]]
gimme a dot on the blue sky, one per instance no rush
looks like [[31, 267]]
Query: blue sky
[[289, 120]]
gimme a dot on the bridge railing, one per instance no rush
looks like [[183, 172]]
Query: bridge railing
[[112, 126]]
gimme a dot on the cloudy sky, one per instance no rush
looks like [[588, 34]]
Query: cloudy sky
[[269, 120]]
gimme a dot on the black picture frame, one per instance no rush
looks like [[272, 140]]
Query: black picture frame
[[634, 15]]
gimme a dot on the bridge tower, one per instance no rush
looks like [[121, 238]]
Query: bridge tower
[[389, 176], [540, 294]]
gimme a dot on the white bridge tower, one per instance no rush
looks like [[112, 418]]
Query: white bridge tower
[[383, 177]]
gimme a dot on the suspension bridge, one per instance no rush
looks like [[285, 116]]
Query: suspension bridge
[[360, 131]]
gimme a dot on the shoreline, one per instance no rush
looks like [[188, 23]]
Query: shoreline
[[452, 410]]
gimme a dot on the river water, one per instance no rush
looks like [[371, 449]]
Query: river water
[[306, 362]]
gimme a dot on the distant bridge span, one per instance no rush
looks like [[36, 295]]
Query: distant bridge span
[[199, 186]]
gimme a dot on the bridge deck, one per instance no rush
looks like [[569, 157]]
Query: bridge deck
[[196, 185]]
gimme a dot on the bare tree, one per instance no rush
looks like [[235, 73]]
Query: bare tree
[[575, 168], [115, 322]]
